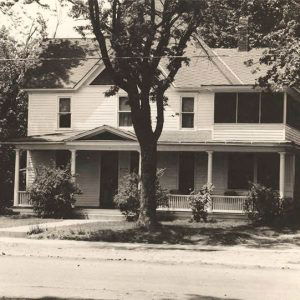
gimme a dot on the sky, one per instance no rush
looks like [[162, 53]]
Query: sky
[[66, 23]]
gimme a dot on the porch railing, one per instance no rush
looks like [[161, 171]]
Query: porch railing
[[233, 204], [24, 198]]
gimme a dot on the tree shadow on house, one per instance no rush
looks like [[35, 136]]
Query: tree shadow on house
[[62, 63]]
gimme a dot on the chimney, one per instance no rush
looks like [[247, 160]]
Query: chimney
[[243, 35]]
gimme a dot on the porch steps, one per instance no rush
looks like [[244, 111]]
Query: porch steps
[[100, 214]]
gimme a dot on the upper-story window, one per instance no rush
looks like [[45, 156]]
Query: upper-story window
[[64, 113], [124, 112], [248, 108], [187, 112]]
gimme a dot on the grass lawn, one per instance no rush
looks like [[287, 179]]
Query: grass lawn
[[20, 220], [228, 232]]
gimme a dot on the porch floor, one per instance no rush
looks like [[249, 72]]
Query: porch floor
[[115, 214]]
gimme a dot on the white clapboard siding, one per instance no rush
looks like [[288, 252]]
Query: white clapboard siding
[[42, 113], [88, 170], [123, 164], [169, 162], [90, 109], [36, 159], [200, 170], [292, 134], [249, 132], [205, 110]]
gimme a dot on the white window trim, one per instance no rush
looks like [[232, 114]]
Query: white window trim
[[259, 115], [58, 113], [120, 111], [194, 112]]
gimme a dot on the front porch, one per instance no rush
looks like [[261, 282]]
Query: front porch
[[102, 156]]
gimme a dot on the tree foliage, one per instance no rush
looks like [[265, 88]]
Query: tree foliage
[[273, 25], [14, 63]]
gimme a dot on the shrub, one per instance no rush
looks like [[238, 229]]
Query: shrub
[[36, 229], [52, 194], [263, 204], [128, 197], [200, 203]]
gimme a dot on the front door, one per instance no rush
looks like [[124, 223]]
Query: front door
[[186, 172], [108, 179]]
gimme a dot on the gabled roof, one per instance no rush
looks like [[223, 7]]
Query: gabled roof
[[103, 132], [72, 60]]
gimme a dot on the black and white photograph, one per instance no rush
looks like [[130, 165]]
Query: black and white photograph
[[150, 149]]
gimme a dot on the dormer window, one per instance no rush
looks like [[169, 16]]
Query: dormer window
[[187, 112], [124, 112], [64, 113]]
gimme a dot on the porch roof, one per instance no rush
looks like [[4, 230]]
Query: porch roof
[[106, 134]]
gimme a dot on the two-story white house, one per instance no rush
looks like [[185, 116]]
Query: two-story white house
[[218, 129]]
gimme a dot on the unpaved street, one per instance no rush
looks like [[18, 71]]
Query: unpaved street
[[105, 271]]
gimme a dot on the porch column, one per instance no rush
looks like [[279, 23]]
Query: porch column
[[282, 174], [17, 177], [73, 162], [255, 168], [140, 170], [209, 167], [140, 164]]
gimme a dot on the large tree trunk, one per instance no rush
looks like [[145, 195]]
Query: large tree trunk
[[147, 217]]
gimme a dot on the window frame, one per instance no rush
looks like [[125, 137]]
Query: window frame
[[181, 112], [237, 108], [58, 113], [122, 111]]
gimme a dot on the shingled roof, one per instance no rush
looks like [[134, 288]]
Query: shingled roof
[[72, 59]]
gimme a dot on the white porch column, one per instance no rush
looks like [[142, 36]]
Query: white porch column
[[282, 174], [73, 162], [255, 168], [17, 177], [140, 170], [209, 167], [140, 164]]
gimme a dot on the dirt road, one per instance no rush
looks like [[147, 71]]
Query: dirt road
[[63, 269]]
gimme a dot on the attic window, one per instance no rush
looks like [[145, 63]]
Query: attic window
[[64, 113], [124, 112]]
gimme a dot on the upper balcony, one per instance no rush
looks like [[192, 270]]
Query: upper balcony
[[256, 117]]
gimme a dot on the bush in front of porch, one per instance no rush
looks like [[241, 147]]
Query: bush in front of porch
[[265, 206], [52, 194], [128, 197], [200, 203]]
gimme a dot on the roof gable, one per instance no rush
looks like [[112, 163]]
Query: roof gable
[[104, 132], [103, 78]]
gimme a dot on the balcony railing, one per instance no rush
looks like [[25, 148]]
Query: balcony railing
[[229, 204]]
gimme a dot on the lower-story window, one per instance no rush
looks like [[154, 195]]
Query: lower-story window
[[240, 170]]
